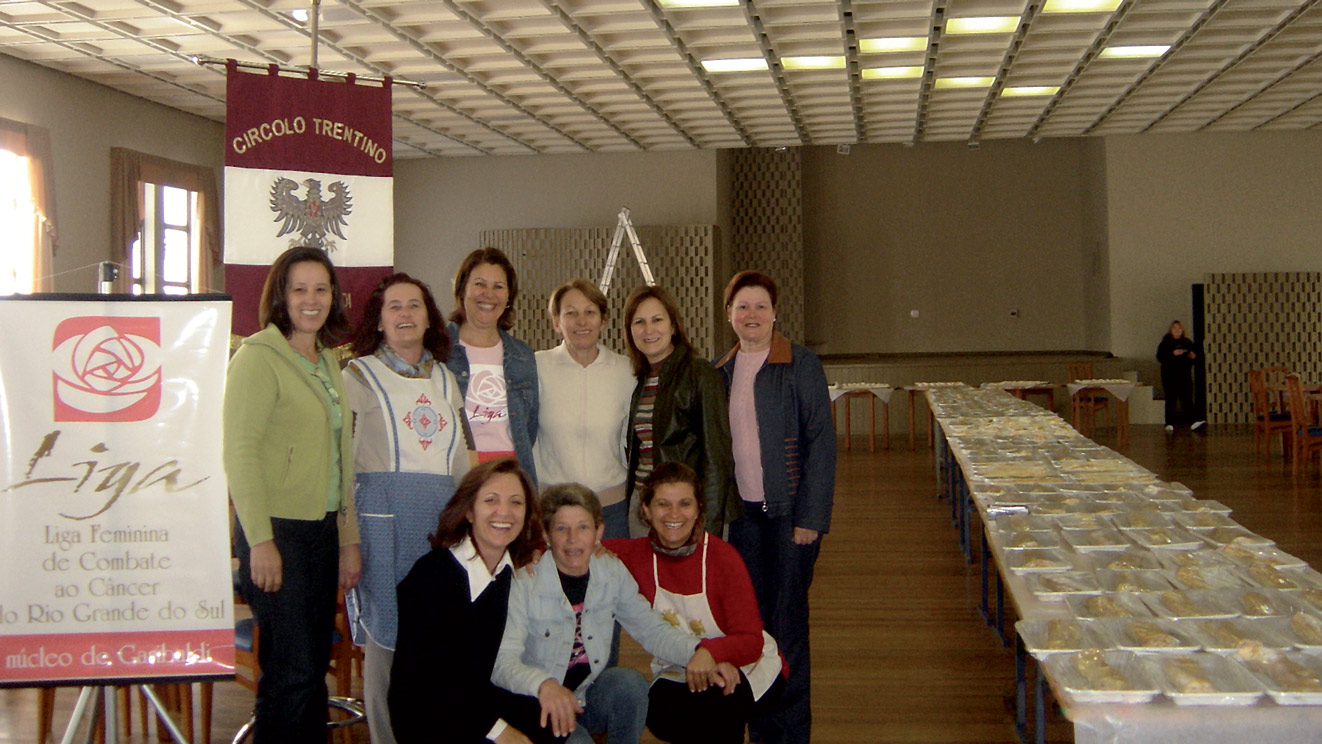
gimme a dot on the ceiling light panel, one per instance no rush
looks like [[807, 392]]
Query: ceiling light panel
[[892, 44], [1080, 6], [982, 25], [813, 62], [697, 3], [906, 72], [734, 64]]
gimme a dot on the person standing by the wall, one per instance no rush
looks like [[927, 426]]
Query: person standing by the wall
[[1178, 354]]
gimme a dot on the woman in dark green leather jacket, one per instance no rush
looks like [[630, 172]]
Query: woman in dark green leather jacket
[[679, 409]]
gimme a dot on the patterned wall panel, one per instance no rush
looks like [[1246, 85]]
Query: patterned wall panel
[[681, 257], [767, 216], [1258, 320]]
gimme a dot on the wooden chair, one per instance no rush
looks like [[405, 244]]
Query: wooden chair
[[1087, 403], [1274, 379], [1268, 419], [1307, 437]]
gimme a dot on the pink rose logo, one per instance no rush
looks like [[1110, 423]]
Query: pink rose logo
[[488, 389], [106, 369]]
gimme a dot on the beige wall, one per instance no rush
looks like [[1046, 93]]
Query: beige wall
[[86, 120], [962, 236], [441, 205], [1181, 206]]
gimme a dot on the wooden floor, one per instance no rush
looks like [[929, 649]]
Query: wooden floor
[[899, 651]]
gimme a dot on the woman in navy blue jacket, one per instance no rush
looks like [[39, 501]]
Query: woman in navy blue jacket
[[784, 458]]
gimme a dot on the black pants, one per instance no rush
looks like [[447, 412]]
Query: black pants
[[709, 717], [781, 572], [1178, 386], [296, 625]]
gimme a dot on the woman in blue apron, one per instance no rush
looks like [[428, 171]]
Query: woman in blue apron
[[410, 448], [699, 584]]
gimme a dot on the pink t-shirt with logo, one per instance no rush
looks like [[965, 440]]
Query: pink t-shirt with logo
[[486, 403]]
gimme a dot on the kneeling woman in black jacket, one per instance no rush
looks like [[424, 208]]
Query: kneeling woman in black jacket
[[452, 609]]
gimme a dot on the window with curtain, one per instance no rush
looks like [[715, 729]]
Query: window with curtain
[[165, 255], [165, 224], [27, 209], [17, 267]]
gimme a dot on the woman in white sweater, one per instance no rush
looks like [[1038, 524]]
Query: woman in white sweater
[[584, 389]]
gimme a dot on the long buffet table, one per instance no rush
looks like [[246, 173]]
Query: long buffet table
[[1076, 538]]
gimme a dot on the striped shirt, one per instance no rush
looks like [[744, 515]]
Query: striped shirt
[[642, 428]]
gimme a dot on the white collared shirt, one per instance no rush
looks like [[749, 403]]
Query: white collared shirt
[[479, 578]]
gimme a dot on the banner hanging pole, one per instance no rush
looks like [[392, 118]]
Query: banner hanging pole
[[333, 74], [314, 18]]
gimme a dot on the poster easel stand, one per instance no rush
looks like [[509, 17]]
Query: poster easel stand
[[96, 702]]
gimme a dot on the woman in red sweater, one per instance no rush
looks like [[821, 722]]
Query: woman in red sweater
[[698, 582]]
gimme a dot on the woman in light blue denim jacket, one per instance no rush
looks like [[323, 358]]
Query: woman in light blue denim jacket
[[497, 373], [558, 633]]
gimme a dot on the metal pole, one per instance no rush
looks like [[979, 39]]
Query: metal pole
[[314, 17], [79, 710], [111, 709], [163, 715]]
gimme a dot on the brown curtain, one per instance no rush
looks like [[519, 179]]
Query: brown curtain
[[33, 142], [128, 170]]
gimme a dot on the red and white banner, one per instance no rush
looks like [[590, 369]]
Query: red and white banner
[[113, 505], [307, 162]]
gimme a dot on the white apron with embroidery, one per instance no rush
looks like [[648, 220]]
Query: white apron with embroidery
[[398, 508], [692, 614]]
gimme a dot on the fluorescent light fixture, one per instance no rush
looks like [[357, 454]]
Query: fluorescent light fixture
[[299, 14], [1133, 52], [696, 3], [836, 62], [1081, 6], [893, 44], [964, 82], [1031, 90], [737, 64], [891, 73], [983, 25]]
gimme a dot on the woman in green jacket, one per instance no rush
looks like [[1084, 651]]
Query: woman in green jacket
[[288, 453]]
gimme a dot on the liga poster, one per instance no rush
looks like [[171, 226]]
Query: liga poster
[[114, 521], [308, 162]]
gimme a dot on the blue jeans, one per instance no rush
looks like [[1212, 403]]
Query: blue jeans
[[616, 519], [615, 702], [781, 573], [296, 623]]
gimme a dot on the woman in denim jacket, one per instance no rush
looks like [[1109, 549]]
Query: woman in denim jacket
[[558, 634], [497, 372]]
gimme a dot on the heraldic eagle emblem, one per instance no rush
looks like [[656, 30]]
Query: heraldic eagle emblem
[[312, 218]]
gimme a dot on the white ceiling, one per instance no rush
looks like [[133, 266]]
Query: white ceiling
[[564, 76]]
